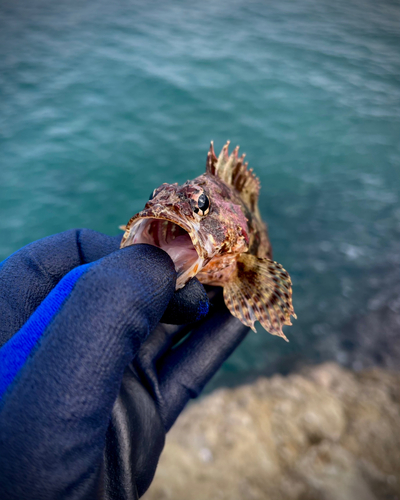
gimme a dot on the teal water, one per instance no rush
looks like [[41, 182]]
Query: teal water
[[100, 102]]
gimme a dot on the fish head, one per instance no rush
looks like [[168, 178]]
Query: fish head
[[193, 223]]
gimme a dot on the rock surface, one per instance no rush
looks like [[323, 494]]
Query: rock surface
[[324, 434]]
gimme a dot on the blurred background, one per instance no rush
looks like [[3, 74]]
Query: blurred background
[[101, 102]]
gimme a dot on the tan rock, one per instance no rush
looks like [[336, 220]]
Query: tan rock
[[324, 434]]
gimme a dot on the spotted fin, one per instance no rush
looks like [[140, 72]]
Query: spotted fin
[[231, 169], [261, 290]]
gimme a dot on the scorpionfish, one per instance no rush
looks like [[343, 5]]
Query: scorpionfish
[[211, 228]]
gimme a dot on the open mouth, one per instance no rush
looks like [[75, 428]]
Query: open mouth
[[171, 238]]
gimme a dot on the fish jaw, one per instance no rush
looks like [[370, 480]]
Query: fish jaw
[[172, 234]]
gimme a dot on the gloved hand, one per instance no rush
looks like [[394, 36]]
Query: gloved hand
[[88, 384]]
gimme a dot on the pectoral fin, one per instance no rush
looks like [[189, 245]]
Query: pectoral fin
[[260, 290]]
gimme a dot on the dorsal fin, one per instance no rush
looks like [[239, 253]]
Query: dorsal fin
[[231, 169]]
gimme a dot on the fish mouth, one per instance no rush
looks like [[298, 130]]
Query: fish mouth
[[171, 235]]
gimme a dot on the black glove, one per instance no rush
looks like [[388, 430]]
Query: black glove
[[78, 419]]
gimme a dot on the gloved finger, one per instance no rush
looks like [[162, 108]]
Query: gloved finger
[[165, 335], [159, 343], [185, 370], [189, 304], [150, 352], [62, 397], [28, 275]]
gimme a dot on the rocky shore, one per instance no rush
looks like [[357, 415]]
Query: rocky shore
[[326, 433]]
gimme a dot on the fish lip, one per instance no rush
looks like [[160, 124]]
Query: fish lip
[[169, 216]]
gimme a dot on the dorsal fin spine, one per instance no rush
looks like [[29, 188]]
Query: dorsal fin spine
[[233, 171]]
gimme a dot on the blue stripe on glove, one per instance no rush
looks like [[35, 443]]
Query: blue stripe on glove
[[15, 352]]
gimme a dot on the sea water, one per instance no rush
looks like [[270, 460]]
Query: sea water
[[101, 102]]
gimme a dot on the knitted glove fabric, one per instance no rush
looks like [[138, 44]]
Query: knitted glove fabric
[[89, 384]]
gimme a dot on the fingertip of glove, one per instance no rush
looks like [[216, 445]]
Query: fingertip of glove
[[146, 267], [154, 262], [189, 304], [204, 307], [93, 245]]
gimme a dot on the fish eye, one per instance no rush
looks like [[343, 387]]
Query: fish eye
[[203, 205]]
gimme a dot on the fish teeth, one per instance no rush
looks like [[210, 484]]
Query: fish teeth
[[164, 227], [173, 231]]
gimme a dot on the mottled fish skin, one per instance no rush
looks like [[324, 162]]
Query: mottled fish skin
[[228, 245]]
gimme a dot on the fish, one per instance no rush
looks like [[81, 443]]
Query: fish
[[211, 227]]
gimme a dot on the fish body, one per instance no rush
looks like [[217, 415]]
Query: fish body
[[212, 229]]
